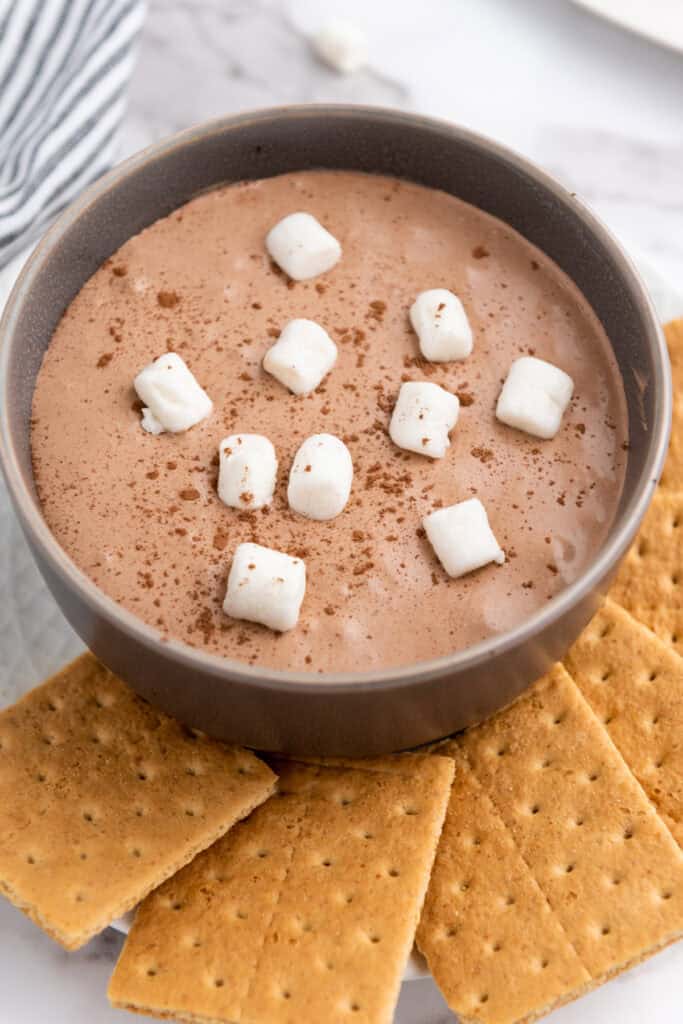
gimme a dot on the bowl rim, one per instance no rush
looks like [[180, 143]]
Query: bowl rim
[[328, 683]]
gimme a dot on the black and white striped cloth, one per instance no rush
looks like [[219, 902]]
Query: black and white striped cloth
[[64, 68]]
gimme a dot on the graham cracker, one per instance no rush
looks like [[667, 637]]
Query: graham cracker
[[672, 476], [306, 911], [608, 868], [634, 683], [496, 951], [102, 798], [649, 583]]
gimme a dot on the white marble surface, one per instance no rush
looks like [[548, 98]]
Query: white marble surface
[[598, 107]]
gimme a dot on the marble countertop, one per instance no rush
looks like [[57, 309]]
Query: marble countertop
[[598, 107]]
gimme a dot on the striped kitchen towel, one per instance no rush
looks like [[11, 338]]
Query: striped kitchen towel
[[64, 67]]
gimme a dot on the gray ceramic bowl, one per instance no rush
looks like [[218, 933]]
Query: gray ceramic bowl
[[374, 712]]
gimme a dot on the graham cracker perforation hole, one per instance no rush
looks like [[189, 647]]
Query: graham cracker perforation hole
[[286, 994], [41, 777], [218, 982], [605, 631], [534, 809], [605, 675], [484, 998], [354, 1007], [261, 854], [410, 811], [451, 932], [496, 947], [83, 855], [393, 873], [136, 852], [509, 901], [151, 972], [241, 915], [593, 776], [642, 548], [569, 868], [605, 930], [30, 859], [616, 880], [89, 816], [543, 964], [666, 894], [628, 833], [374, 939], [140, 812]]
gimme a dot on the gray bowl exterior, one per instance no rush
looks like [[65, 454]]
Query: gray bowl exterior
[[352, 714]]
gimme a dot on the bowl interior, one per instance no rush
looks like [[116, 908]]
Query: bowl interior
[[439, 155]]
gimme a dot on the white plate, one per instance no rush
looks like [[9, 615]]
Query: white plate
[[36, 640], [658, 20]]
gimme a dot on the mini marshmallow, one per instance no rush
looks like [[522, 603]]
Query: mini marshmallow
[[173, 399], [462, 538], [301, 356], [441, 324], [422, 418], [342, 45], [265, 586], [302, 246], [534, 397], [320, 478], [248, 468]]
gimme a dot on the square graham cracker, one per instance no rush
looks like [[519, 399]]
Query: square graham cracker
[[649, 583], [577, 819], [307, 911], [672, 476], [102, 798], [634, 684]]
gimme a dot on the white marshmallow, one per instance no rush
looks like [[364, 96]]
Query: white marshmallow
[[265, 586], [302, 246], [422, 417], [534, 397], [301, 356], [462, 538], [173, 399], [342, 45], [247, 471], [320, 478], [441, 324]]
